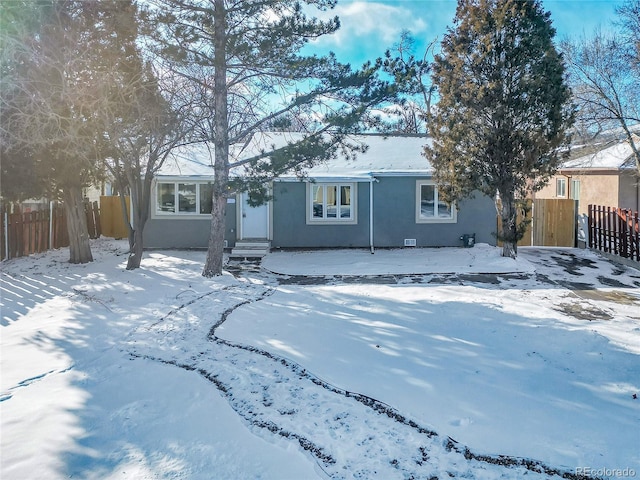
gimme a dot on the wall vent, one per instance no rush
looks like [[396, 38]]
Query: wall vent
[[409, 242], [225, 244]]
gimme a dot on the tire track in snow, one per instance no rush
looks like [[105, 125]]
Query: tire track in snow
[[350, 435]]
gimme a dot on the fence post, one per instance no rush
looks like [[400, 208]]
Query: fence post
[[615, 230], [50, 225], [6, 234], [98, 221], [590, 224], [624, 223]]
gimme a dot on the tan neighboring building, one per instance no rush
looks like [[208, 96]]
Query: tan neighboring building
[[598, 175]]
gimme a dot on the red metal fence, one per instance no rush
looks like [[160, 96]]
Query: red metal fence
[[24, 233], [614, 230]]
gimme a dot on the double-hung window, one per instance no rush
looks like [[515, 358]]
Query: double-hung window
[[183, 198], [561, 187], [430, 208], [575, 189], [331, 202]]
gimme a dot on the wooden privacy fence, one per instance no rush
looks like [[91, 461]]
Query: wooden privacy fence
[[552, 223], [614, 230], [24, 233], [111, 217]]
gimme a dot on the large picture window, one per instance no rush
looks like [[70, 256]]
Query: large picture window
[[183, 198], [430, 207], [331, 202]]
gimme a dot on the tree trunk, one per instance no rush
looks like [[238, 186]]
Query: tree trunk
[[140, 198], [508, 217], [215, 250], [135, 252], [79, 246]]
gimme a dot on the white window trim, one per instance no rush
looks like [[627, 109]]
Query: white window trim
[[155, 213], [564, 188], [418, 206], [352, 220]]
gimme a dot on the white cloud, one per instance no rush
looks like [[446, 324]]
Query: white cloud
[[362, 19]]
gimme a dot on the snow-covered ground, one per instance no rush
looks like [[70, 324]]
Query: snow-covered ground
[[423, 363]]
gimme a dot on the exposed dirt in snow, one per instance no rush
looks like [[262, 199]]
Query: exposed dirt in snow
[[275, 394], [77, 331]]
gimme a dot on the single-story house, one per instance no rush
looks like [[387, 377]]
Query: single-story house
[[600, 174], [385, 197]]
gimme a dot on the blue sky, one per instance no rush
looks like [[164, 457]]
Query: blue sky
[[371, 27]]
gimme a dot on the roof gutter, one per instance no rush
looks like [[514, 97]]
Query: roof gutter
[[403, 173]]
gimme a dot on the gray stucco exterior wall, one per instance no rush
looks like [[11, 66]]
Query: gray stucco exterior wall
[[175, 232], [290, 229], [394, 219], [395, 207]]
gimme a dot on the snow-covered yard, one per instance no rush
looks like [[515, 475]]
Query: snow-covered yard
[[428, 363]]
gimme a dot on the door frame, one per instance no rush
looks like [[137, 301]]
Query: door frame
[[240, 216]]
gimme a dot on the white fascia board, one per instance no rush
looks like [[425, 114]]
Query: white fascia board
[[359, 178], [408, 173], [183, 178]]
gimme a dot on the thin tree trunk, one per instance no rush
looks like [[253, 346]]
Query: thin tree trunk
[[79, 246], [140, 198], [213, 262], [508, 217], [135, 253]]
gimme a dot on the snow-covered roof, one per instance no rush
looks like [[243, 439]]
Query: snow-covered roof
[[189, 161], [393, 155], [386, 155], [614, 157]]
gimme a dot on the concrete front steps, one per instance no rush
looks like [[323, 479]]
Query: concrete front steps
[[250, 249]]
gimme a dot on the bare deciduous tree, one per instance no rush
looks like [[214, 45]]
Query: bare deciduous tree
[[412, 78], [605, 79]]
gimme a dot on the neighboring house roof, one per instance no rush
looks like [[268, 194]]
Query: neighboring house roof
[[615, 157], [386, 155]]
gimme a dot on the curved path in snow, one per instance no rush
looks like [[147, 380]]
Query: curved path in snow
[[349, 435]]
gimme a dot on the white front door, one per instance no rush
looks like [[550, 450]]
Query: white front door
[[254, 220]]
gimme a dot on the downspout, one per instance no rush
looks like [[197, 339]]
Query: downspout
[[371, 180]]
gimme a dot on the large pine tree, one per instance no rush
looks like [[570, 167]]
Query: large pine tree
[[247, 58], [504, 107]]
